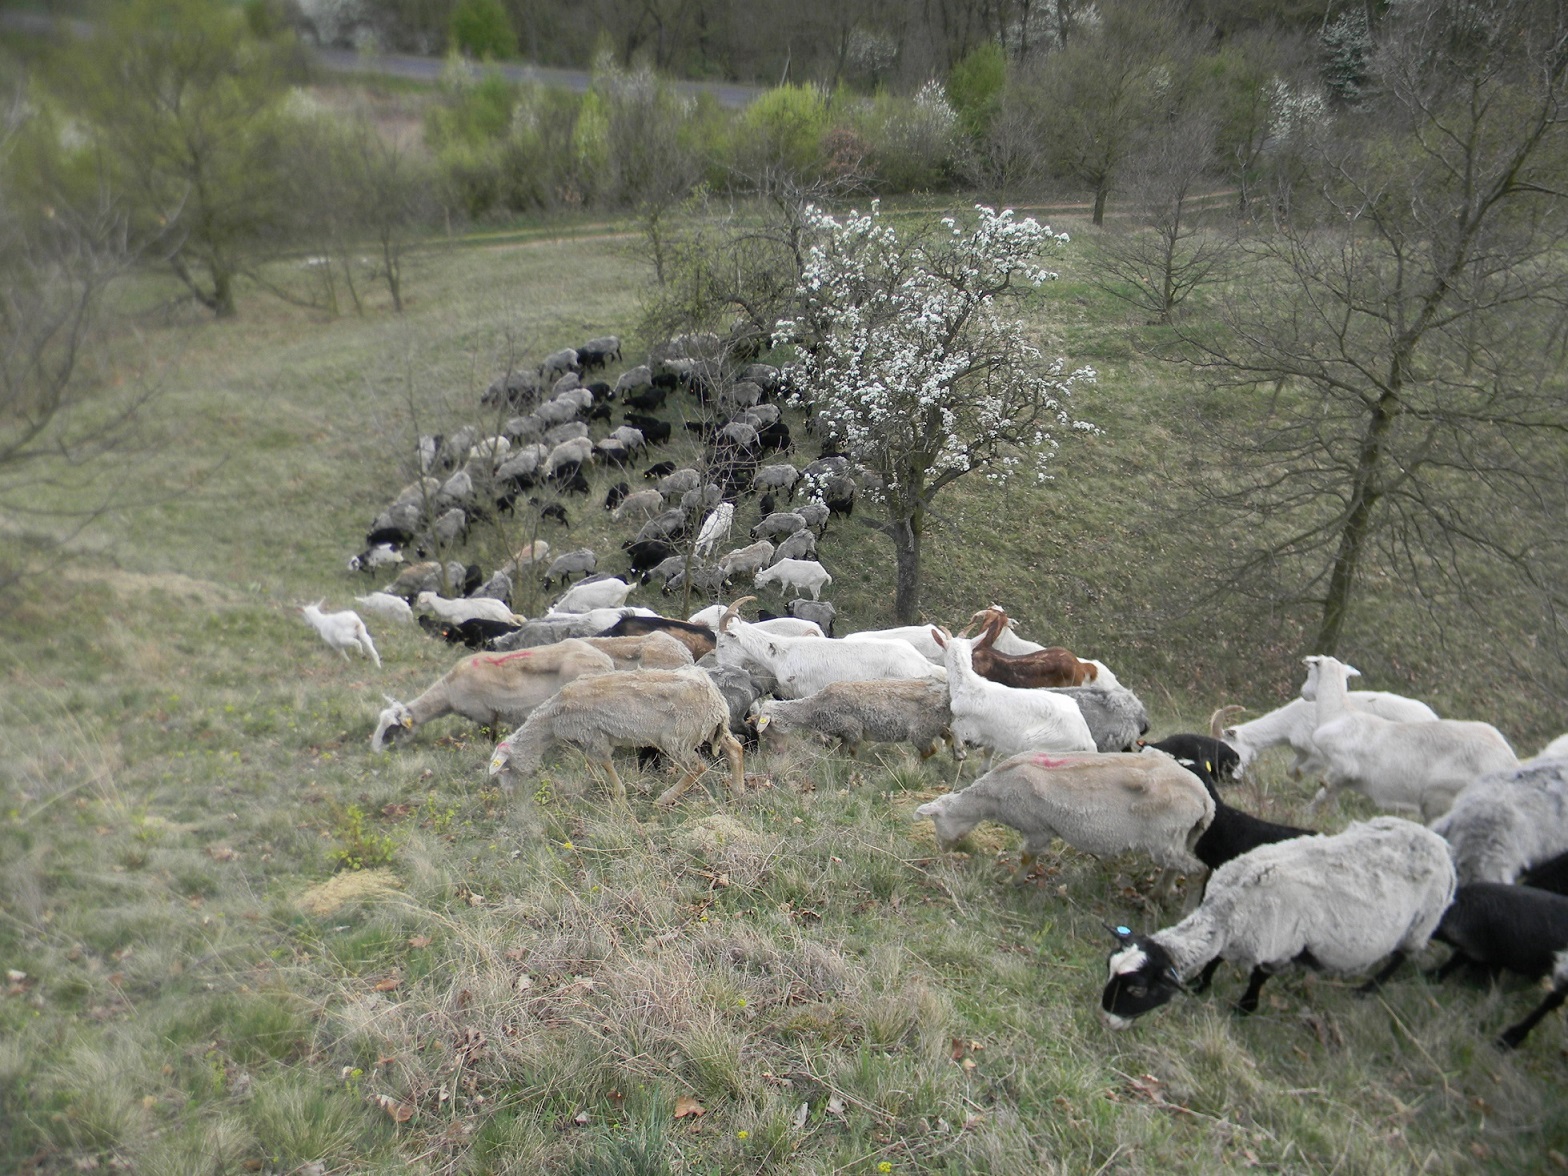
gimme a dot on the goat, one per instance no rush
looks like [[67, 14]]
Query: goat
[[698, 639], [341, 630], [795, 574], [1005, 719], [386, 606], [1054, 666], [490, 689], [594, 594], [674, 712], [455, 612]]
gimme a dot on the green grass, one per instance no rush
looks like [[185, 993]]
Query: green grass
[[536, 981]]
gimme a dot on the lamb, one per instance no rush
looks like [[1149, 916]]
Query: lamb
[[794, 575], [386, 606], [675, 712], [643, 503], [581, 562], [804, 665], [1418, 766], [913, 711], [714, 528], [752, 558], [341, 630], [457, 611], [610, 593], [1101, 804], [1339, 904], [491, 689], [1514, 928], [1507, 821], [1004, 719], [1116, 717], [375, 556]]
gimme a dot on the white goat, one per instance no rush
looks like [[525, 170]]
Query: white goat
[[785, 626], [1101, 804], [467, 608], [583, 598], [794, 575], [918, 636], [804, 665], [1293, 724], [1005, 719], [1417, 766], [386, 606], [715, 528], [341, 630]]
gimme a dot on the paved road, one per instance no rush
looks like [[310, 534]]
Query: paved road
[[406, 65]]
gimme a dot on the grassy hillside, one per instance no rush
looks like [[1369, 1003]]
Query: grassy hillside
[[237, 940]]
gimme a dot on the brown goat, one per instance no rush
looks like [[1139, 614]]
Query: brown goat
[[1046, 667]]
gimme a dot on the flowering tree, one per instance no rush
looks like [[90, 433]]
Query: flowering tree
[[916, 370]]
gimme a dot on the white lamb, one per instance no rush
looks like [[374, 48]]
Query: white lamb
[[1419, 766], [341, 630]]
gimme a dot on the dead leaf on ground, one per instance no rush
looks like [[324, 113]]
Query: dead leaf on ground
[[835, 1105], [801, 1114], [686, 1105], [419, 941], [1147, 1087], [400, 1111], [389, 984], [222, 853]]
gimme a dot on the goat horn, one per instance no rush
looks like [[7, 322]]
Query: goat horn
[[1217, 719], [729, 613]]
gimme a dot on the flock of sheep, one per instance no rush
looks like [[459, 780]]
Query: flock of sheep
[[1487, 874]]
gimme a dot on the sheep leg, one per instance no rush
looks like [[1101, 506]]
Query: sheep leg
[[1513, 1037], [1026, 863], [1371, 986], [677, 790], [1206, 977], [1451, 965], [1248, 1004], [737, 761], [617, 788]]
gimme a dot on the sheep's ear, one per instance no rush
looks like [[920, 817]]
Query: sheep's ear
[[1122, 934]]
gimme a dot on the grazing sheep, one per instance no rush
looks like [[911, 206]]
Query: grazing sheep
[[581, 562], [1338, 904], [375, 556], [682, 481], [794, 575], [1005, 719], [427, 576], [642, 504], [386, 606], [497, 587], [343, 631], [707, 579], [491, 689], [596, 353], [800, 545], [774, 478], [673, 711], [752, 558], [560, 362], [820, 612], [1514, 928], [455, 612], [909, 711], [1505, 822], [780, 523], [594, 594], [534, 553], [1101, 804], [1116, 717], [1419, 766], [647, 651]]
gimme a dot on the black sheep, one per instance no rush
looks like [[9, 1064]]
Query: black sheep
[[1222, 758], [1510, 928], [476, 633], [616, 495]]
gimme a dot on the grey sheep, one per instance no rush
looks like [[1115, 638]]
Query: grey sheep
[[680, 482], [910, 711], [1116, 716], [1508, 821], [780, 522], [819, 612], [800, 545], [581, 562]]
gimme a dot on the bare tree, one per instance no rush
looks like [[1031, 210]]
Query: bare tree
[[1406, 410]]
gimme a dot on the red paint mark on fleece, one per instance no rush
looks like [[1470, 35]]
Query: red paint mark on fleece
[[1047, 761], [506, 657]]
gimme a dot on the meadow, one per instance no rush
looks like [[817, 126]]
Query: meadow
[[236, 940]]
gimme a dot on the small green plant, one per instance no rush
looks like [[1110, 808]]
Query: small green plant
[[361, 846], [438, 817]]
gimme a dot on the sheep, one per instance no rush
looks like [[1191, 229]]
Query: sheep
[[1004, 719], [804, 665], [581, 562], [669, 566], [1101, 804], [455, 612], [715, 527], [458, 490], [476, 632], [642, 503], [1504, 822], [913, 711], [416, 578], [341, 630], [752, 558], [578, 450], [674, 711], [386, 606], [1552, 874], [680, 482], [1116, 717], [779, 523], [497, 587], [375, 556], [707, 579], [596, 353], [1337, 904], [1515, 928], [800, 545], [490, 689], [740, 689], [786, 626], [795, 574], [1397, 765], [656, 650], [534, 553], [815, 515], [559, 362], [1233, 831], [649, 554], [699, 639], [633, 380], [610, 593], [819, 612], [777, 477], [567, 431], [632, 438]]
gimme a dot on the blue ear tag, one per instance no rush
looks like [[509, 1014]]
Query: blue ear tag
[[1124, 930]]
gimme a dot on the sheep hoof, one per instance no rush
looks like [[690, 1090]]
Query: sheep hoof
[[1508, 1040]]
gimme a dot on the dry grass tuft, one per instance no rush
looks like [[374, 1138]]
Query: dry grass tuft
[[338, 891]]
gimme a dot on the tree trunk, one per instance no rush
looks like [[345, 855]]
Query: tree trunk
[[222, 292], [1366, 492], [906, 546], [1101, 194]]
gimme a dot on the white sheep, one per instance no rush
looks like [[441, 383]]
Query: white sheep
[[794, 575], [1556, 749], [343, 631], [1005, 719], [674, 711], [491, 689], [593, 594], [1101, 804], [386, 606], [466, 608], [913, 711], [804, 665], [1419, 766], [1339, 904], [1505, 822]]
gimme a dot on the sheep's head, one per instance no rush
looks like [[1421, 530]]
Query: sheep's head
[[1141, 976], [950, 828], [395, 718]]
